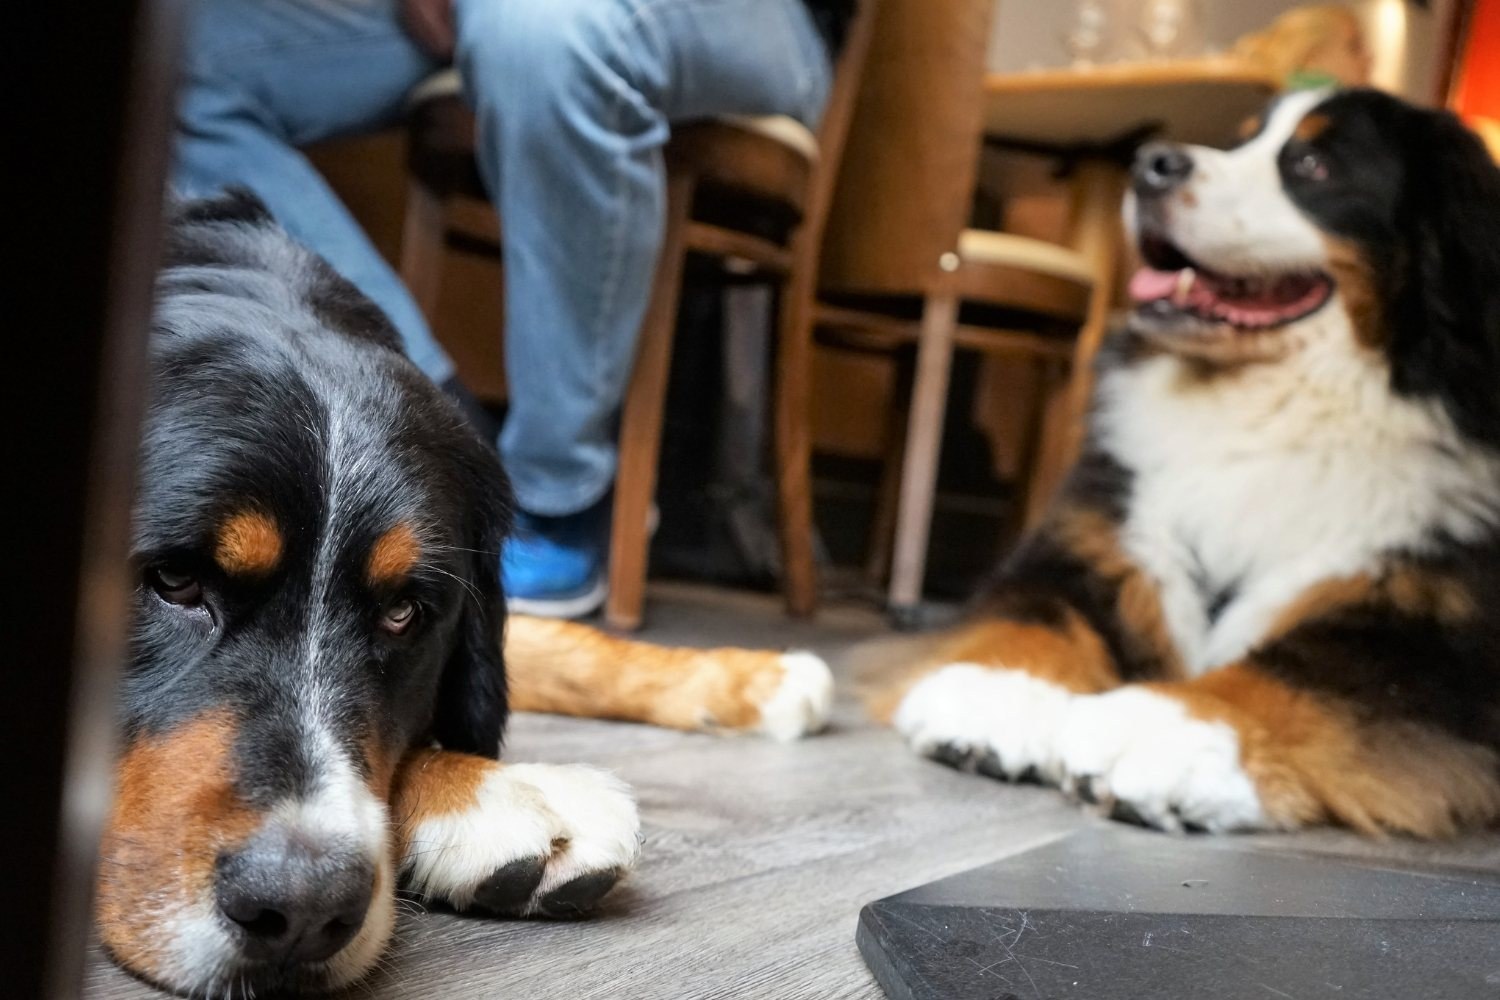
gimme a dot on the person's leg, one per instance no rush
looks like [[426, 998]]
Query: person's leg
[[574, 100], [262, 79]]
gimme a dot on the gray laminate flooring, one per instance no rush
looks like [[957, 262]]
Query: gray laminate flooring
[[758, 856]]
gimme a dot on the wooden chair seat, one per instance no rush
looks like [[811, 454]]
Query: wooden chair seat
[[787, 131], [1027, 283], [1021, 274], [987, 247], [447, 83], [756, 158], [766, 156], [766, 160], [442, 84]]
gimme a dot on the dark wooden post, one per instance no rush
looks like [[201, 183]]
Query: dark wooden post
[[87, 118]]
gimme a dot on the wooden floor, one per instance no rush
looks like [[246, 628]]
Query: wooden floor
[[757, 856]]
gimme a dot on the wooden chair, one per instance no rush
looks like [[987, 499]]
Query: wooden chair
[[900, 269], [725, 178]]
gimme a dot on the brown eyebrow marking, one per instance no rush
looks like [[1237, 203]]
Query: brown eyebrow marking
[[393, 555], [249, 543], [1312, 126], [1250, 127]]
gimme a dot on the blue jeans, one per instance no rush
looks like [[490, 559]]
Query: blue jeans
[[574, 101]]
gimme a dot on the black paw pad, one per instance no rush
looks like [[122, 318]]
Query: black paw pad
[[1085, 791], [1125, 812], [988, 764], [576, 898], [953, 755], [509, 889]]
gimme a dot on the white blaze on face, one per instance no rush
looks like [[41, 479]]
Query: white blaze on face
[[342, 814], [338, 812], [1233, 214]]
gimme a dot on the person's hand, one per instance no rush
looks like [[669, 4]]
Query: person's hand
[[430, 24]]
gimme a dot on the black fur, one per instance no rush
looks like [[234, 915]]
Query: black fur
[[1399, 665], [278, 388], [1420, 195]]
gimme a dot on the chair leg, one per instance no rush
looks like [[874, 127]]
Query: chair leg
[[794, 358], [1056, 446], [641, 419], [888, 493], [920, 465], [423, 231]]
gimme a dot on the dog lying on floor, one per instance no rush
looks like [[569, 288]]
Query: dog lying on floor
[[315, 700], [1269, 595]]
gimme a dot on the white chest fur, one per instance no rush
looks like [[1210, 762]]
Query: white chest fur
[[1259, 484]]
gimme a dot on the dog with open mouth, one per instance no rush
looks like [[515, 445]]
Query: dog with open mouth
[[315, 698], [1269, 594]]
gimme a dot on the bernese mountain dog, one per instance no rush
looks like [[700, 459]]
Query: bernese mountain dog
[[1269, 594], [313, 707]]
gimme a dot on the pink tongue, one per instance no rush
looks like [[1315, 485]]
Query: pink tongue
[[1148, 285]]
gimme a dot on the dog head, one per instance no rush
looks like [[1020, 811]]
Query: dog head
[[1348, 225], [315, 547]]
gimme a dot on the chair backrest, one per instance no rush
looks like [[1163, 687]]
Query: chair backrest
[[907, 174], [833, 129]]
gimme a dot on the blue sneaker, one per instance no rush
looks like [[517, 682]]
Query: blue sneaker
[[553, 567]]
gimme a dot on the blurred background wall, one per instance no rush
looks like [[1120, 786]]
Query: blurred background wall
[[1405, 36]]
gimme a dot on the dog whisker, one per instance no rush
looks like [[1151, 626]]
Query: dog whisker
[[473, 591]]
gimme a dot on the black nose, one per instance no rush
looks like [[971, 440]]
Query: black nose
[[1159, 168], [292, 901]]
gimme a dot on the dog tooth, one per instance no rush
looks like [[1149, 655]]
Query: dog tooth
[[1185, 279]]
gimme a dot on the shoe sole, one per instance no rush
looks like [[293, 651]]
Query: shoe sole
[[561, 607]]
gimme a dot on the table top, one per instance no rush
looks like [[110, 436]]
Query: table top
[[1194, 100], [1113, 912]]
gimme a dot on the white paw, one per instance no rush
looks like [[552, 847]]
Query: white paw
[[999, 722], [548, 839], [1140, 755], [802, 700]]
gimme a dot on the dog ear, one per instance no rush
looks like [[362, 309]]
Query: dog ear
[[471, 704], [1446, 309]]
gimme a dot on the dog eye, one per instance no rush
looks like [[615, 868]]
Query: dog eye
[[399, 616], [1311, 166], [174, 586]]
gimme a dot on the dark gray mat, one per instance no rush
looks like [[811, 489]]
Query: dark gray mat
[[1111, 913]]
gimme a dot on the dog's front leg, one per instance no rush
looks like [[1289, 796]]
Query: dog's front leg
[[1373, 706], [1071, 615], [514, 839]]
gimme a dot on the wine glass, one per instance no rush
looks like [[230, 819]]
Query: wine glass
[[1086, 39], [1171, 28]]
